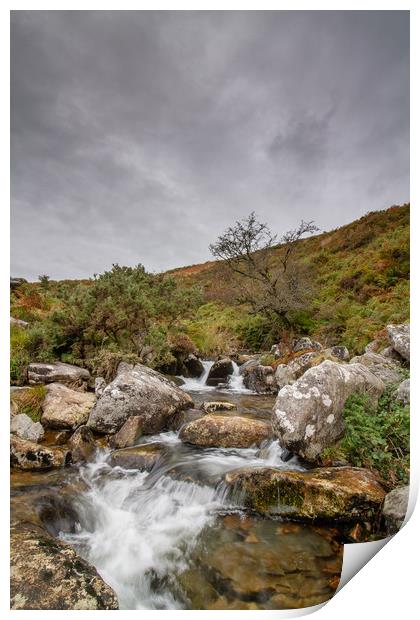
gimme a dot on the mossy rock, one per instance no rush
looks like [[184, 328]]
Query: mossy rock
[[331, 493]]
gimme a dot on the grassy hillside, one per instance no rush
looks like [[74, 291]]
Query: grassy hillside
[[360, 274]]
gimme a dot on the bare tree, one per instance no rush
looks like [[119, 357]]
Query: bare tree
[[271, 284]]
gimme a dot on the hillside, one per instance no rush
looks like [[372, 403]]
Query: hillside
[[359, 273]]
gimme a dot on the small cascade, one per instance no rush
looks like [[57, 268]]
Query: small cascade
[[236, 381], [198, 385], [139, 529]]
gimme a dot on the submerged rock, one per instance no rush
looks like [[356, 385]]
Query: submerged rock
[[33, 456], [307, 416], [47, 574], [64, 408], [57, 373], [338, 493], [211, 406], [399, 337], [245, 562], [142, 392], [25, 428], [225, 432], [140, 457], [395, 508], [220, 371]]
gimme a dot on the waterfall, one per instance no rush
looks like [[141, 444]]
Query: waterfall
[[139, 529], [236, 381], [198, 385]]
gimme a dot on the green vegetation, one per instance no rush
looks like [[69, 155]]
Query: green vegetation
[[124, 312], [377, 439], [359, 277], [360, 280], [29, 401]]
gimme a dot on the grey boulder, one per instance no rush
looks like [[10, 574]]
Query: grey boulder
[[22, 426], [395, 508], [403, 392], [57, 373], [220, 371], [138, 391], [307, 416], [399, 337]]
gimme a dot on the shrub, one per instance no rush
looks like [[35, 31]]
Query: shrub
[[377, 439]]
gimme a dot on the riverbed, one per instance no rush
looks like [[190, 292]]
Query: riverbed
[[172, 538]]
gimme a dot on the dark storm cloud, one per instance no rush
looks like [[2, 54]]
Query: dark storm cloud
[[139, 136]]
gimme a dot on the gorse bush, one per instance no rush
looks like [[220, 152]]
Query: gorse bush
[[125, 310], [378, 439]]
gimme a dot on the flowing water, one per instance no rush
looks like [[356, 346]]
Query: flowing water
[[171, 538]]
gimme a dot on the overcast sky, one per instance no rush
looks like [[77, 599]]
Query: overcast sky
[[140, 136]]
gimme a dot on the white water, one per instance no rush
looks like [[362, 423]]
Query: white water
[[198, 385], [138, 528], [235, 382]]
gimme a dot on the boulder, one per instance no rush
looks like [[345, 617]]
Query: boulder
[[340, 352], [244, 358], [336, 493], [395, 508], [225, 432], [57, 373], [29, 455], [100, 385], [64, 408], [82, 444], [183, 417], [139, 391], [307, 416], [384, 368], [399, 337], [48, 574], [259, 379], [212, 406], [403, 392], [18, 323], [301, 344], [392, 354], [297, 367], [220, 371], [22, 426], [284, 375], [140, 457], [193, 366], [129, 433]]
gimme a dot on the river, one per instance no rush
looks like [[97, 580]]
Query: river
[[171, 538]]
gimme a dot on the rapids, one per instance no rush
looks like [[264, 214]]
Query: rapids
[[158, 538]]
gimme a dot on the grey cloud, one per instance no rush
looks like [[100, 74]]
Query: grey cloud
[[139, 136]]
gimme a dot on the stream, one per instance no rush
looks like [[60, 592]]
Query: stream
[[171, 538]]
